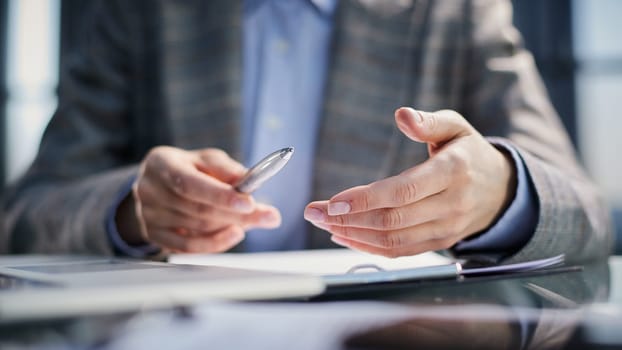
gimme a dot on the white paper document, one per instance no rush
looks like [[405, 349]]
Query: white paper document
[[345, 267], [315, 262]]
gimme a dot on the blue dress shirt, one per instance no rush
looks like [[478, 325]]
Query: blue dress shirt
[[285, 47], [285, 57]]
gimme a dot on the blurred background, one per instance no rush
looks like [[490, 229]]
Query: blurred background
[[577, 45]]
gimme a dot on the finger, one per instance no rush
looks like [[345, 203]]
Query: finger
[[156, 196], [215, 243], [422, 181], [179, 212], [423, 247], [210, 219], [315, 212], [436, 128], [395, 239], [217, 163], [266, 216], [182, 178], [430, 208], [165, 219]]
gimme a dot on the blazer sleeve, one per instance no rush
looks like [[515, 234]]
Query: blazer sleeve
[[85, 155], [504, 96]]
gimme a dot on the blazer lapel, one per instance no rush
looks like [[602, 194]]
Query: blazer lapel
[[203, 71]]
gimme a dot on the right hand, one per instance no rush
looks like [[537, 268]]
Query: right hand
[[184, 201]]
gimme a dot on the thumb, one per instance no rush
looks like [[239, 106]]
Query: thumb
[[435, 128]]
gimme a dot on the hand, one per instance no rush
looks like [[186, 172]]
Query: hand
[[183, 201], [459, 191]]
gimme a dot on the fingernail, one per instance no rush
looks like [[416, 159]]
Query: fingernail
[[339, 208], [242, 205], [314, 214]]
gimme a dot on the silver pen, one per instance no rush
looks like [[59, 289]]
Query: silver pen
[[265, 169]]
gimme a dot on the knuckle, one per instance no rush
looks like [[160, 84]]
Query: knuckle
[[363, 202], [468, 177], [390, 241], [459, 164], [444, 161], [391, 218], [344, 231], [339, 220], [405, 192], [178, 184]]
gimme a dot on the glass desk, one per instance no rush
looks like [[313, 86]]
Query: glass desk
[[574, 309]]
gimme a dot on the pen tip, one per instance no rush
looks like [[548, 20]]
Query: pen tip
[[287, 152]]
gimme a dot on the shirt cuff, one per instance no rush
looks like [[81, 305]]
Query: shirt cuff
[[118, 244], [514, 228]]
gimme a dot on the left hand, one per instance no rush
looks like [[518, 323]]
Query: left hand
[[459, 191]]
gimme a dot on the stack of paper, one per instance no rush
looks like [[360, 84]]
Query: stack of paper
[[316, 262]]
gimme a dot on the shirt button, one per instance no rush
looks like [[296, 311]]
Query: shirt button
[[281, 45], [274, 123]]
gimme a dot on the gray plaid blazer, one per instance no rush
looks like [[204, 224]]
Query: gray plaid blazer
[[169, 72]]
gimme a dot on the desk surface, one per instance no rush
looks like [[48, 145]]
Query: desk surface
[[572, 309]]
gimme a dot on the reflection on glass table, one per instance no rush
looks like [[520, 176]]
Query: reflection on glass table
[[534, 311]]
